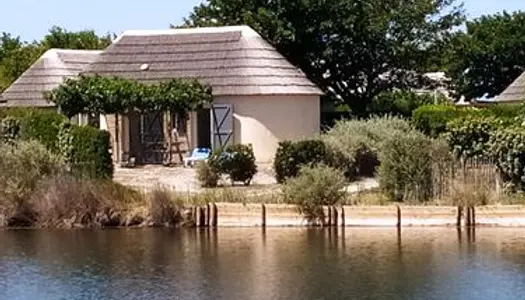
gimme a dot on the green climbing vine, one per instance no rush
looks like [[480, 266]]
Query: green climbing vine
[[105, 95]]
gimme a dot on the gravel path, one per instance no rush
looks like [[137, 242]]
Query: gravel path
[[183, 179], [178, 178]]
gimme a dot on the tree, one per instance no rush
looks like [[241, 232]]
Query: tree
[[81, 40], [403, 103], [489, 56], [352, 49], [16, 62]]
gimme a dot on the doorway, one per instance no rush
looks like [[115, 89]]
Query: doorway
[[204, 128]]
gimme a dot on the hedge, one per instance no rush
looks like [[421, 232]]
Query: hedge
[[36, 124], [91, 152], [507, 147], [433, 119]]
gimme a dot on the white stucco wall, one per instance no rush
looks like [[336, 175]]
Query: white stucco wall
[[264, 121]]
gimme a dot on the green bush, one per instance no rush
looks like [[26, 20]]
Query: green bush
[[357, 142], [507, 147], [9, 130], [291, 156], [469, 137], [405, 172], [37, 124], [207, 175], [87, 150], [23, 164], [314, 187], [237, 161], [402, 103], [433, 119]]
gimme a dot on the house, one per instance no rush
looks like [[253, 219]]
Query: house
[[47, 73], [515, 93], [258, 96]]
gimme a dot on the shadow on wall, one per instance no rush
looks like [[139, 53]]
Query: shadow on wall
[[266, 121]]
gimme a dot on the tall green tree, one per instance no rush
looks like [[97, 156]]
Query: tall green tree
[[82, 40], [353, 49], [489, 55]]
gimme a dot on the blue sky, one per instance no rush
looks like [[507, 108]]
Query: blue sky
[[31, 19]]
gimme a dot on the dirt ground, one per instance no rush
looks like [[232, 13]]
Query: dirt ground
[[183, 179], [178, 178]]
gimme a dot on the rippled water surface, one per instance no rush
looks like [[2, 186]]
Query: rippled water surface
[[263, 264]]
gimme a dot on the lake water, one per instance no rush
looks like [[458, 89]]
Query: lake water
[[254, 263]]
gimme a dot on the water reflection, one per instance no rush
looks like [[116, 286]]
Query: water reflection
[[335, 263]]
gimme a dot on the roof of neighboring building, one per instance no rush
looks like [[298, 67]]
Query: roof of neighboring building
[[515, 92], [234, 60], [46, 74]]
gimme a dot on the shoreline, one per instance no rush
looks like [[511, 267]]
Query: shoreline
[[281, 215], [229, 215]]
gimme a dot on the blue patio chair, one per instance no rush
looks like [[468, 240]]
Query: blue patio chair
[[198, 154]]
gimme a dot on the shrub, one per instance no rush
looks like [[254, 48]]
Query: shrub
[[163, 209], [66, 201], [237, 161], [87, 150], [37, 124], [507, 147], [23, 164], [291, 156], [207, 175], [314, 187], [469, 137], [405, 172], [432, 119], [9, 130], [357, 142], [470, 193]]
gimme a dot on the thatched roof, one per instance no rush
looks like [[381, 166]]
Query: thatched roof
[[234, 60], [514, 93], [44, 75]]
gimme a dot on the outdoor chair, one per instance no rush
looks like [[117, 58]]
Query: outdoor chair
[[198, 154]]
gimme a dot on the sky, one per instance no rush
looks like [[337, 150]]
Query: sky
[[31, 19]]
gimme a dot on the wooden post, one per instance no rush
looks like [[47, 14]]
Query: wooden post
[[208, 211], [202, 217], [335, 219], [469, 217], [194, 214], [398, 217], [168, 135], [117, 139], [329, 216], [263, 212], [215, 218], [342, 216], [473, 215], [460, 214]]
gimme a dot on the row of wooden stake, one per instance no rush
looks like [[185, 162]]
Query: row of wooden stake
[[208, 216]]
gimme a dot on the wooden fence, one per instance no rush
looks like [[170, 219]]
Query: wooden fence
[[472, 174]]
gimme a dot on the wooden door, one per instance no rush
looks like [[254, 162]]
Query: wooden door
[[221, 125], [152, 138]]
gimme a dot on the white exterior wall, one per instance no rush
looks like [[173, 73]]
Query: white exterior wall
[[264, 121]]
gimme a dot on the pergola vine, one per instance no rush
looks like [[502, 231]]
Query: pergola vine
[[98, 95], [115, 95]]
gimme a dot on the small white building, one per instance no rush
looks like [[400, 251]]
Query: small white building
[[258, 96]]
